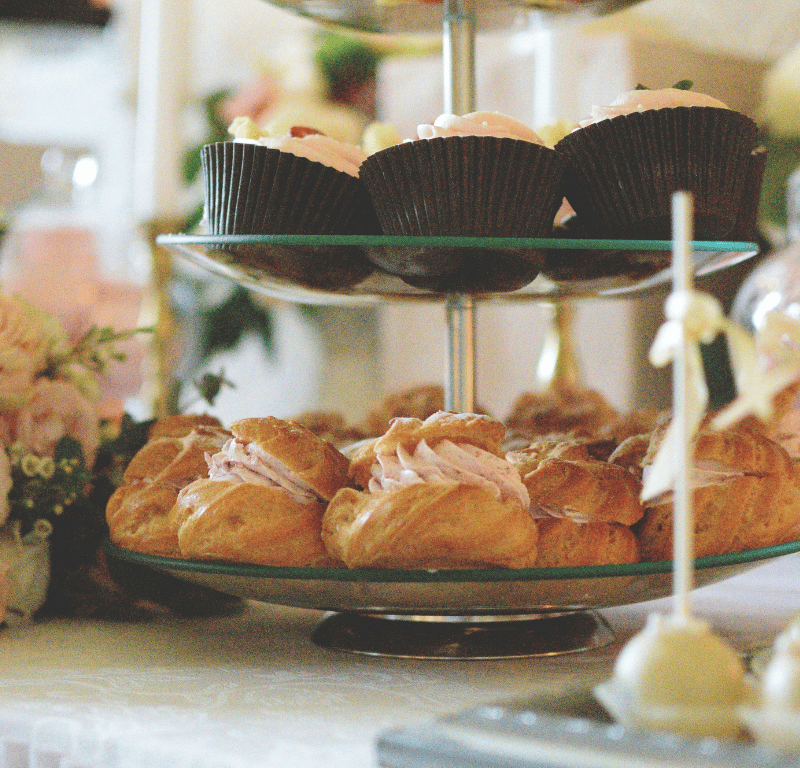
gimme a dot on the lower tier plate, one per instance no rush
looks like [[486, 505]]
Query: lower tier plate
[[452, 592]]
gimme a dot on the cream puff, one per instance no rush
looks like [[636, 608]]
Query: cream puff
[[437, 493], [744, 496], [564, 543], [137, 511], [565, 481], [264, 497]]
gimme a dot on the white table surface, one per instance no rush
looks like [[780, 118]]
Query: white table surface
[[253, 690]]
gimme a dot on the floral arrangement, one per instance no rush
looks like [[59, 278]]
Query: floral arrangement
[[58, 456]]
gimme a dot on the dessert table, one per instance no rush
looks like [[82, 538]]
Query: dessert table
[[253, 690]]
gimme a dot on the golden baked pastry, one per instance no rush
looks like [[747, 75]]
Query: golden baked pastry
[[417, 402], [561, 408], [175, 461], [565, 544], [331, 426], [305, 457], [481, 431], [137, 518], [718, 513], [630, 454], [439, 494], [429, 525], [137, 511], [638, 422], [738, 449], [566, 447], [249, 523], [264, 497], [743, 513], [475, 429], [584, 491], [745, 496], [181, 424]]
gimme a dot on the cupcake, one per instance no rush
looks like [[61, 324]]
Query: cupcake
[[301, 183], [628, 159], [480, 175]]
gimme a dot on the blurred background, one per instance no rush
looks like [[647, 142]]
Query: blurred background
[[104, 104]]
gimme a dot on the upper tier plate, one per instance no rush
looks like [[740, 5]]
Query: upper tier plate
[[362, 269], [416, 16]]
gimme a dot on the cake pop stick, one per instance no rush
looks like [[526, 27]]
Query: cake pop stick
[[676, 674], [683, 555]]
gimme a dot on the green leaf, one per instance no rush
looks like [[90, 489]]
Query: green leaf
[[193, 219], [684, 85], [217, 126], [69, 448], [783, 157], [225, 324], [191, 164], [640, 87], [211, 384]]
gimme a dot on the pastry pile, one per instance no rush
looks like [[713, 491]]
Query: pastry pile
[[448, 490]]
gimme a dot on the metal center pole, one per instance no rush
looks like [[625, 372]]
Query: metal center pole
[[459, 98]]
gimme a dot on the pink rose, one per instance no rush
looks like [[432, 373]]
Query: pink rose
[[56, 409], [24, 344], [58, 269], [255, 99]]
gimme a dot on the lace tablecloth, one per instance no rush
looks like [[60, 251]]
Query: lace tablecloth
[[253, 690]]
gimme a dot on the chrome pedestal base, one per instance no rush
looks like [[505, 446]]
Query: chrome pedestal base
[[463, 637]]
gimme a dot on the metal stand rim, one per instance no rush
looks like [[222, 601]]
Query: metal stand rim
[[398, 637]]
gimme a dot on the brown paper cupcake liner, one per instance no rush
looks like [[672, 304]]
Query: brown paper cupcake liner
[[470, 187], [584, 265], [623, 171], [251, 189], [746, 227], [465, 186]]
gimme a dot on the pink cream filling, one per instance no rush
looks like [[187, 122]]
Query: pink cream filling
[[242, 462], [448, 463]]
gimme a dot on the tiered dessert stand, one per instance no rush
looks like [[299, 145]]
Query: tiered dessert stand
[[459, 613]]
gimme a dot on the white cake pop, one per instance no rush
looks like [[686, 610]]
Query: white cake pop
[[677, 675], [775, 721]]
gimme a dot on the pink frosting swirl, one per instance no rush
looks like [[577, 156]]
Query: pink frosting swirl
[[478, 124], [317, 147], [642, 100]]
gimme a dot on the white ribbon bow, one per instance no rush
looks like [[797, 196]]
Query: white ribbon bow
[[692, 318], [763, 366]]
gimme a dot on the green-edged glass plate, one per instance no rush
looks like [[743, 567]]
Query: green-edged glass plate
[[427, 16], [452, 592], [366, 269]]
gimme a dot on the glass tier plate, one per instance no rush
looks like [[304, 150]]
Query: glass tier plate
[[452, 592], [426, 16], [365, 269]]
